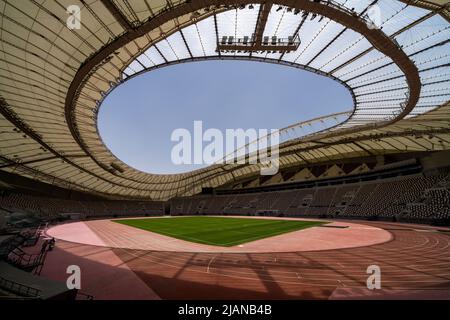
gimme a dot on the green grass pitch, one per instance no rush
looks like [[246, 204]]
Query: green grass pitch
[[218, 231]]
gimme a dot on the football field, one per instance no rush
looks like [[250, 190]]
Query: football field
[[218, 231]]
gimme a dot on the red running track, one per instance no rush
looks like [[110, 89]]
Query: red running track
[[334, 235], [414, 262]]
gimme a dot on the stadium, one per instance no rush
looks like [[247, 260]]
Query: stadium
[[358, 208]]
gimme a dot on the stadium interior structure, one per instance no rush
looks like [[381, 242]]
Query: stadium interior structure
[[380, 171]]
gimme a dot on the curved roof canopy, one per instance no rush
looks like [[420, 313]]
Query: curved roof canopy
[[394, 56]]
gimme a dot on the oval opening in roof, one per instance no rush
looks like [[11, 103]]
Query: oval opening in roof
[[137, 119]]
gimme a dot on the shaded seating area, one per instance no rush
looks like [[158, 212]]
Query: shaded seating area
[[41, 208], [410, 198]]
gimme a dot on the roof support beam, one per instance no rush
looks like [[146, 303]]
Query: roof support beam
[[162, 56], [118, 15], [263, 15], [443, 10], [186, 44], [296, 33], [392, 37], [18, 123], [12, 164], [216, 28], [326, 47], [339, 34], [364, 149], [390, 63]]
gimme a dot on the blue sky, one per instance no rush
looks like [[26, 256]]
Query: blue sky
[[137, 119]]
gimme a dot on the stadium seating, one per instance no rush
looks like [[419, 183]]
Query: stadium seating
[[48, 209], [405, 198], [415, 197]]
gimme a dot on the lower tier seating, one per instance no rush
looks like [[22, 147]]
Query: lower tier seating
[[416, 197]]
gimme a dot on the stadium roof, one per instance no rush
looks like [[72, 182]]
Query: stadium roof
[[395, 61]]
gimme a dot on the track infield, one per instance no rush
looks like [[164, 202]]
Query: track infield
[[218, 231]]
